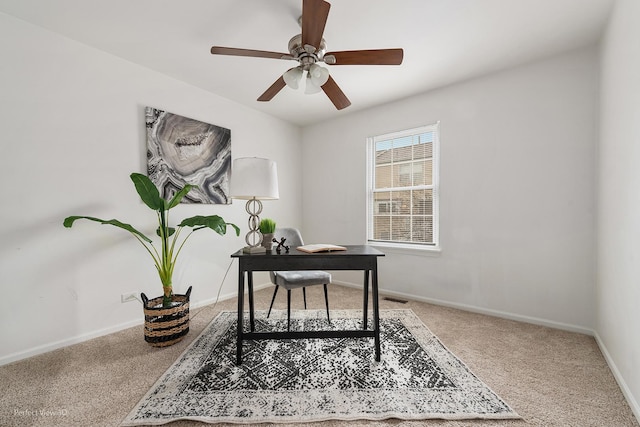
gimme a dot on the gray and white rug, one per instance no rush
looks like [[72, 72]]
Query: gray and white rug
[[306, 380]]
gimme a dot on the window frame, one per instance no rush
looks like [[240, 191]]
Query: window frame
[[434, 187]]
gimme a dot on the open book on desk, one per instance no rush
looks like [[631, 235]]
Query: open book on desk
[[321, 247]]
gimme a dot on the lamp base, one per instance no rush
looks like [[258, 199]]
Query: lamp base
[[254, 250]]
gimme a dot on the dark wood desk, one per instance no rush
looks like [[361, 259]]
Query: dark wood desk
[[360, 257]]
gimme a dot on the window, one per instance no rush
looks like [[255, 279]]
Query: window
[[403, 188]]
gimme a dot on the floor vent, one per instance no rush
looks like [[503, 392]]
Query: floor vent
[[401, 301]]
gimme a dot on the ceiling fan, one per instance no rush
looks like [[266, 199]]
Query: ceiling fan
[[309, 48]]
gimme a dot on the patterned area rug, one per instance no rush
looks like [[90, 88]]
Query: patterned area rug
[[307, 380]]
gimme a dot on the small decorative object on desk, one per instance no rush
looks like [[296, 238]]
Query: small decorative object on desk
[[267, 228], [281, 245]]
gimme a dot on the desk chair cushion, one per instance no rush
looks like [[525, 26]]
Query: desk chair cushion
[[299, 279]]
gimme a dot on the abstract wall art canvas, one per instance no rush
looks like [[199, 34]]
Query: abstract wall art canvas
[[182, 151]]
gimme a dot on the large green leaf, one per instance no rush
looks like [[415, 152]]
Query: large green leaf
[[214, 222], [68, 222], [169, 231], [179, 195], [148, 192]]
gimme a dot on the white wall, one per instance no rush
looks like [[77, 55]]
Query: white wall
[[618, 279], [72, 121], [517, 185]]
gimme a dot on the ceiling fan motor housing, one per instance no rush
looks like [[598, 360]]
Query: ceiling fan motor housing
[[306, 55]]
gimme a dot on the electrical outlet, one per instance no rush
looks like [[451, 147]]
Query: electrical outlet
[[131, 296]]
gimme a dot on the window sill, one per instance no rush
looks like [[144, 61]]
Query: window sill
[[399, 248]]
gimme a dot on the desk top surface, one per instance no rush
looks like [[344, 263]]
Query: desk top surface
[[352, 250]]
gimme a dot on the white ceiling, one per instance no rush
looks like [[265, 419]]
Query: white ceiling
[[444, 41]]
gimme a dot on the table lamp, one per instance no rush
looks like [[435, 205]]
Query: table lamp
[[254, 179]]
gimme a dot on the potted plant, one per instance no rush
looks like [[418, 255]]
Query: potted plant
[[168, 311], [267, 228]]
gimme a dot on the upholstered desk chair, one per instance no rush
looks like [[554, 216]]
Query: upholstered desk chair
[[297, 279]]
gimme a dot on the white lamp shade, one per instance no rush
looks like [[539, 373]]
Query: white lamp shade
[[319, 75], [292, 77], [253, 177], [311, 88]]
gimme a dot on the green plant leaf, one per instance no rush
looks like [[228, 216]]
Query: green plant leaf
[[267, 225], [148, 192], [68, 222], [170, 231], [214, 222], [165, 259], [179, 195]]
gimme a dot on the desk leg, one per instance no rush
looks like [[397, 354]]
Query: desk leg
[[376, 311], [365, 304], [240, 315], [252, 323]]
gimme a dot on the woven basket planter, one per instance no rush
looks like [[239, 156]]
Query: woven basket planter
[[166, 326]]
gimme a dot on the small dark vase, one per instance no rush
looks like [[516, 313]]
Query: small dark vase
[[165, 326]]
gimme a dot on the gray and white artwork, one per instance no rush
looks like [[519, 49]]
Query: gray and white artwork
[[183, 151]]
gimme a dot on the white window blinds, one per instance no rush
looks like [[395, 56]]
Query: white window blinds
[[402, 187]]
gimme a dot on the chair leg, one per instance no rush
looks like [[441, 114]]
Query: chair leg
[[326, 300], [288, 310], [304, 297], [275, 291]]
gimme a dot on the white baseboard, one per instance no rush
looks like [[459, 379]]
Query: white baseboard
[[480, 310], [45, 348], [633, 403]]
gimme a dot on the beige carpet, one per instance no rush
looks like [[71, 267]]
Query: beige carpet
[[550, 377]]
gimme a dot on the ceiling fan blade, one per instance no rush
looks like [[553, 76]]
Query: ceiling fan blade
[[366, 57], [273, 90], [219, 50], [335, 94], [314, 18]]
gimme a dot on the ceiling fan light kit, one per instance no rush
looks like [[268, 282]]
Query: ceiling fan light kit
[[317, 76], [292, 77], [310, 88], [309, 48]]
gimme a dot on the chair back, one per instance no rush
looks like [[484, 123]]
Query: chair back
[[293, 236]]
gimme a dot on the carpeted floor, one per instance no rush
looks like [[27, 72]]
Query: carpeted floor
[[550, 377]]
